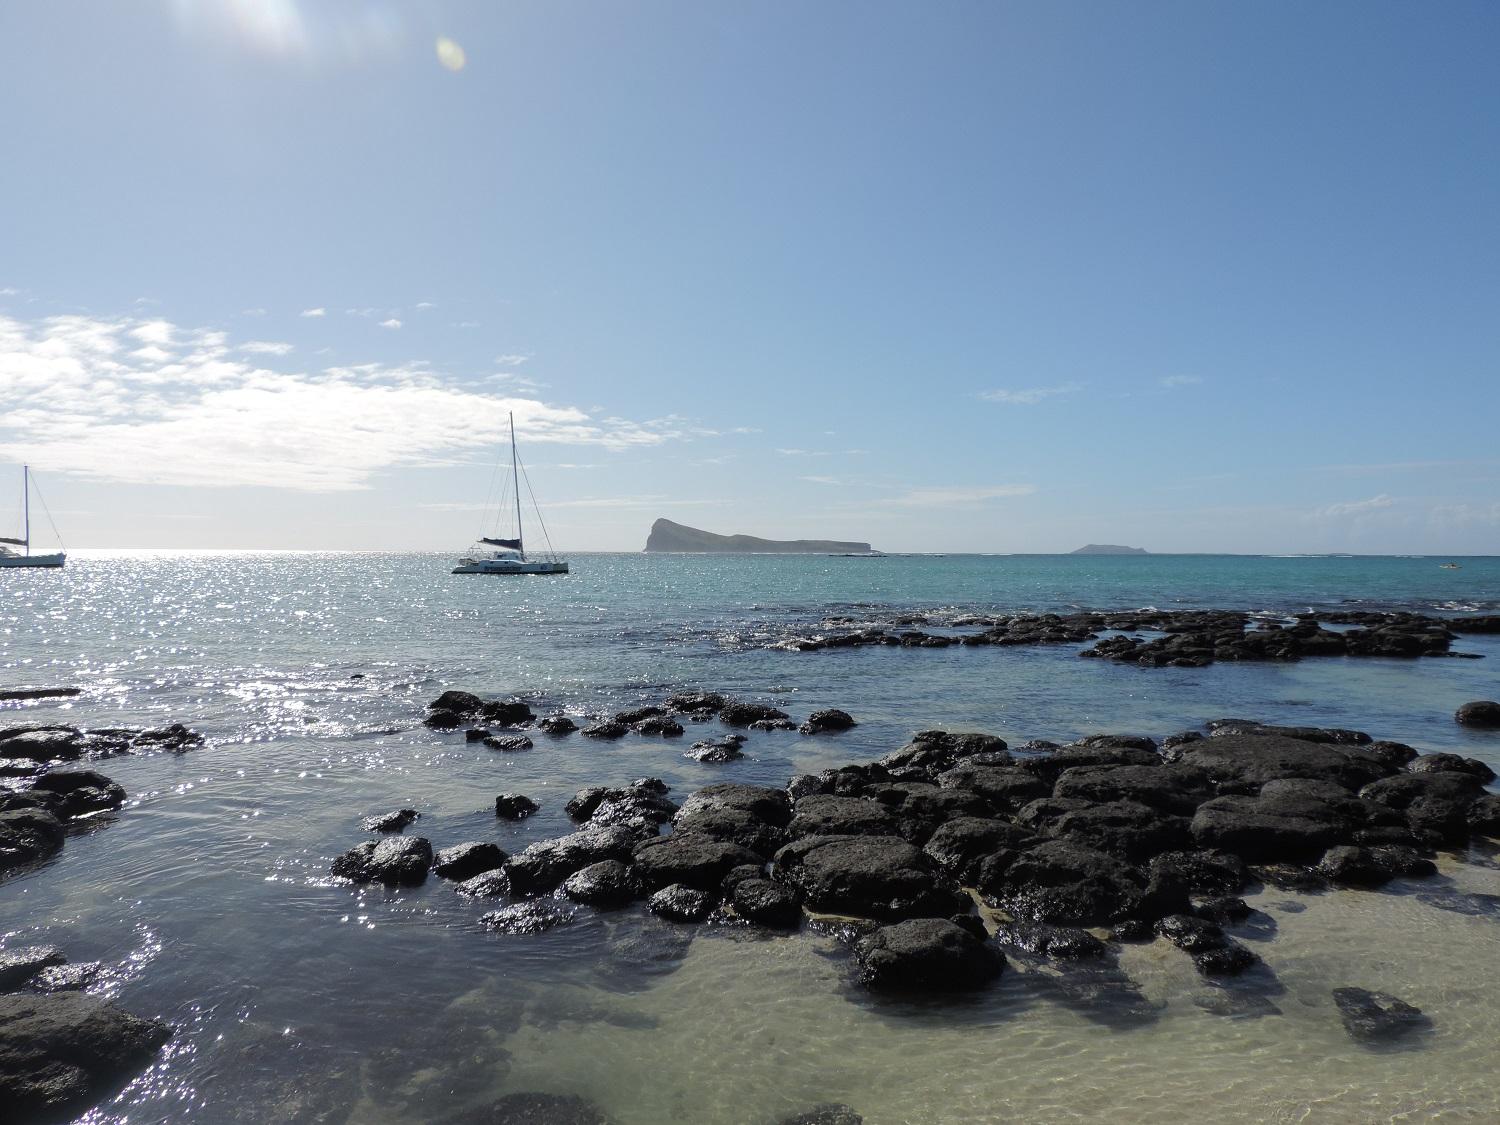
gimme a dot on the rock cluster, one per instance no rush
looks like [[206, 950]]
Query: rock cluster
[[34, 817], [1183, 638], [1112, 832], [24, 749], [454, 710]]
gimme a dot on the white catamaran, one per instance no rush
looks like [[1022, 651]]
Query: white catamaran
[[494, 555], [9, 556]]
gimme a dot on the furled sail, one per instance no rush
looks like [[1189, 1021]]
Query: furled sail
[[17, 542], [513, 544]]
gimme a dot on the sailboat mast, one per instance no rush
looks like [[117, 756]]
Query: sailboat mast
[[26, 506], [516, 480]]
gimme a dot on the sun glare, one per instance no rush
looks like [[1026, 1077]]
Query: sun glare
[[450, 54]]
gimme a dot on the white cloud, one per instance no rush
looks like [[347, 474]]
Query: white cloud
[[10, 291], [390, 323], [1029, 396], [314, 312], [78, 396], [425, 305], [956, 496], [1355, 507], [1171, 382], [265, 347], [511, 360], [153, 332]]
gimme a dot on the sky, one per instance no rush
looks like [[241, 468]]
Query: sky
[[961, 277]]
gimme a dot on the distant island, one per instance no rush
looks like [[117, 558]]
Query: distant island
[[1109, 549], [668, 536]]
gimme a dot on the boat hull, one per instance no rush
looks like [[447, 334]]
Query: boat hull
[[501, 566], [50, 562]]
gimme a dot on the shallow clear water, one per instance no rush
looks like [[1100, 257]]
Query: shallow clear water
[[300, 998]]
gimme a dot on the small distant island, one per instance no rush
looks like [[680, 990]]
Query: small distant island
[[1109, 549], [668, 536]]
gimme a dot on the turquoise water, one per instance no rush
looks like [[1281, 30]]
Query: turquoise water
[[302, 999]]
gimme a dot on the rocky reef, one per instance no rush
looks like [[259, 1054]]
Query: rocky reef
[[955, 855], [1177, 639]]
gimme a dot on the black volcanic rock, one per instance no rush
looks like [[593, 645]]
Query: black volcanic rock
[[395, 861], [926, 954], [60, 1053], [1482, 713], [669, 536]]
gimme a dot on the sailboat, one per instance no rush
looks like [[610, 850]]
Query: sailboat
[[494, 555], [9, 556]]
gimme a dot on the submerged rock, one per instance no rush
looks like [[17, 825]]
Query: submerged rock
[[63, 1052], [830, 1113], [534, 1109], [1374, 1017], [925, 954], [17, 966], [67, 978], [527, 918]]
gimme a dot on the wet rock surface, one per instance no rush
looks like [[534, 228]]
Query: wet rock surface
[[60, 1053], [391, 821], [514, 806], [399, 861], [925, 955], [527, 918], [464, 861], [1483, 714], [21, 964]]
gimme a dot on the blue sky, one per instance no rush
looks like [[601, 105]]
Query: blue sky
[[1006, 277]]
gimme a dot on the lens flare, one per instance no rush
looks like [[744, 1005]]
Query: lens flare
[[450, 54]]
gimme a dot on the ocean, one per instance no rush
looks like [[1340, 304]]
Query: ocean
[[300, 998]]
